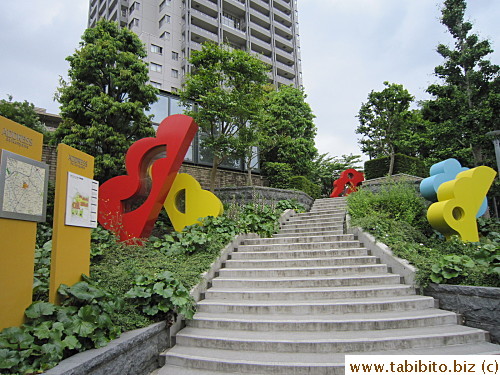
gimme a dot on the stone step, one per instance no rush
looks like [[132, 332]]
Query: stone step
[[297, 231], [317, 294], [339, 306], [345, 322], [307, 282], [310, 227], [301, 246], [319, 215], [218, 362], [303, 271], [328, 342], [300, 262], [316, 222], [321, 219], [300, 239], [299, 254], [309, 232]]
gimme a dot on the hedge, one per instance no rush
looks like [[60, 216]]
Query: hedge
[[402, 164]]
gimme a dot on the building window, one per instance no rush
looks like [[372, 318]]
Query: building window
[[165, 35], [135, 6], [165, 3], [155, 67], [133, 23], [175, 56], [156, 49], [174, 73], [156, 84], [231, 21], [164, 20], [174, 89]]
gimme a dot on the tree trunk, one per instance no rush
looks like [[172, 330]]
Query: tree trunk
[[391, 163], [213, 172], [249, 172]]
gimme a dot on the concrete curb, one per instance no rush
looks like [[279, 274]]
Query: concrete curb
[[137, 352], [398, 265]]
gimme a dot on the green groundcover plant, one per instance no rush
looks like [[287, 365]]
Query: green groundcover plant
[[129, 286], [396, 216]]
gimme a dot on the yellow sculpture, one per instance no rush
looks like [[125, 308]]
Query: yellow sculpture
[[458, 203], [187, 202]]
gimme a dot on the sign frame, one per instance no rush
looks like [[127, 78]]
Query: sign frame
[[5, 154], [92, 192]]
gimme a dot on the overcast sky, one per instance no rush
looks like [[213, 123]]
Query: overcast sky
[[348, 47]]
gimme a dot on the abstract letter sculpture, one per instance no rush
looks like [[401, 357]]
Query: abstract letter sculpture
[[187, 202], [159, 157], [442, 172], [348, 183], [459, 202]]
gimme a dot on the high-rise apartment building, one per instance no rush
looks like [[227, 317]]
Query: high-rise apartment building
[[172, 29]]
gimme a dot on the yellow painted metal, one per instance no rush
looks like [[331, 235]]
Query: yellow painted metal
[[187, 202], [17, 237], [458, 203], [70, 244]]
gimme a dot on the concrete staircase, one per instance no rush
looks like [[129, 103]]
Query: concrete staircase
[[298, 302]]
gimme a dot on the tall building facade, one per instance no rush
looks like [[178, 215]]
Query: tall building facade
[[172, 29]]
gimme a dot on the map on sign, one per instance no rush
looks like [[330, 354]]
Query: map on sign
[[81, 201], [23, 187]]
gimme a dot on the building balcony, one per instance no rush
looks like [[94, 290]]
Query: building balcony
[[283, 30], [203, 34], [284, 80], [283, 18], [283, 4], [264, 20], [196, 4], [234, 36], [283, 41], [236, 7], [260, 5], [285, 68], [261, 29], [265, 59], [284, 55], [204, 18], [260, 46]]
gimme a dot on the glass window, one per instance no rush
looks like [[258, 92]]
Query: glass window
[[156, 84], [134, 22], [162, 4], [174, 73], [165, 35], [156, 49], [175, 56], [176, 107], [155, 67], [135, 6], [159, 110], [164, 20]]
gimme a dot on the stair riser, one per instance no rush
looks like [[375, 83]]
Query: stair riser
[[306, 283], [344, 346], [319, 215], [325, 262], [298, 254], [300, 239], [323, 326], [295, 233], [330, 308], [301, 296], [311, 229], [304, 272], [321, 219], [301, 246], [280, 369]]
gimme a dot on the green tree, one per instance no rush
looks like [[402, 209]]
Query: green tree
[[226, 86], [383, 120], [23, 113], [328, 168], [466, 104], [288, 130], [103, 103]]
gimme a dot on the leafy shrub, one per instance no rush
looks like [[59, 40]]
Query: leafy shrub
[[397, 218], [42, 272], [161, 296], [307, 186], [402, 164], [278, 174], [288, 204], [52, 333]]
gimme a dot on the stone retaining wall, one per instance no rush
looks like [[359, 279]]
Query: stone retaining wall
[[266, 195], [479, 306]]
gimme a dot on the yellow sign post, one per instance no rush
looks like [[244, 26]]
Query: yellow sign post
[[70, 244], [17, 237]]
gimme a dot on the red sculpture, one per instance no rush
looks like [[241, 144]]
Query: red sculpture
[[130, 204], [348, 183]]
